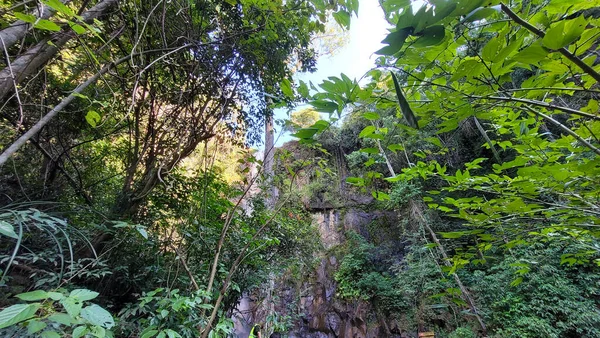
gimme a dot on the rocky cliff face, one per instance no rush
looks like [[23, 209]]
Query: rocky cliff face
[[309, 306], [322, 313]]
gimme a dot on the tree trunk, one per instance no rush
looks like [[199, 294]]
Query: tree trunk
[[269, 159]]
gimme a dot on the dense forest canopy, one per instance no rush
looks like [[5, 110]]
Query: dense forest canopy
[[452, 189]]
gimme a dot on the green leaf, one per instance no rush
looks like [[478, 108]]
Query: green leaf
[[395, 147], [55, 295], [80, 331], [25, 17], [395, 40], [50, 334], [455, 234], [172, 334], [404, 106], [369, 150], [47, 25], [380, 196], [516, 282], [35, 325], [371, 116], [61, 318], [96, 315], [368, 130], [342, 18], [59, 7], [353, 6], [93, 118], [306, 133], [320, 125], [17, 313], [83, 294], [98, 331], [303, 90], [490, 50], [564, 33], [480, 13], [7, 229], [464, 7], [431, 36], [78, 29], [72, 306], [324, 106], [33, 295], [355, 181], [532, 54], [142, 231], [286, 88], [149, 334]]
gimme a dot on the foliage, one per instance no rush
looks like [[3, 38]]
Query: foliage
[[42, 316], [543, 123], [402, 192], [552, 299], [165, 311], [55, 260], [303, 118], [462, 332]]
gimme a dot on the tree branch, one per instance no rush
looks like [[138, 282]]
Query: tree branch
[[564, 51]]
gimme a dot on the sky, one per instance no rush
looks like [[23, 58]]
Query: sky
[[355, 58]]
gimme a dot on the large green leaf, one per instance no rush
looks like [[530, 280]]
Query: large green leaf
[[61, 318], [96, 315], [369, 150], [303, 89], [7, 229], [17, 313], [33, 295], [306, 133], [286, 88], [464, 7], [50, 334], [72, 306], [532, 54], [37, 22], [368, 130], [34, 326], [324, 106], [431, 36], [342, 18], [480, 13], [83, 294], [395, 41], [564, 33], [80, 331], [404, 106], [59, 7], [428, 16], [93, 118], [371, 116]]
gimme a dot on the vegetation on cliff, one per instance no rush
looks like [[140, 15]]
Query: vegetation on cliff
[[132, 205]]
